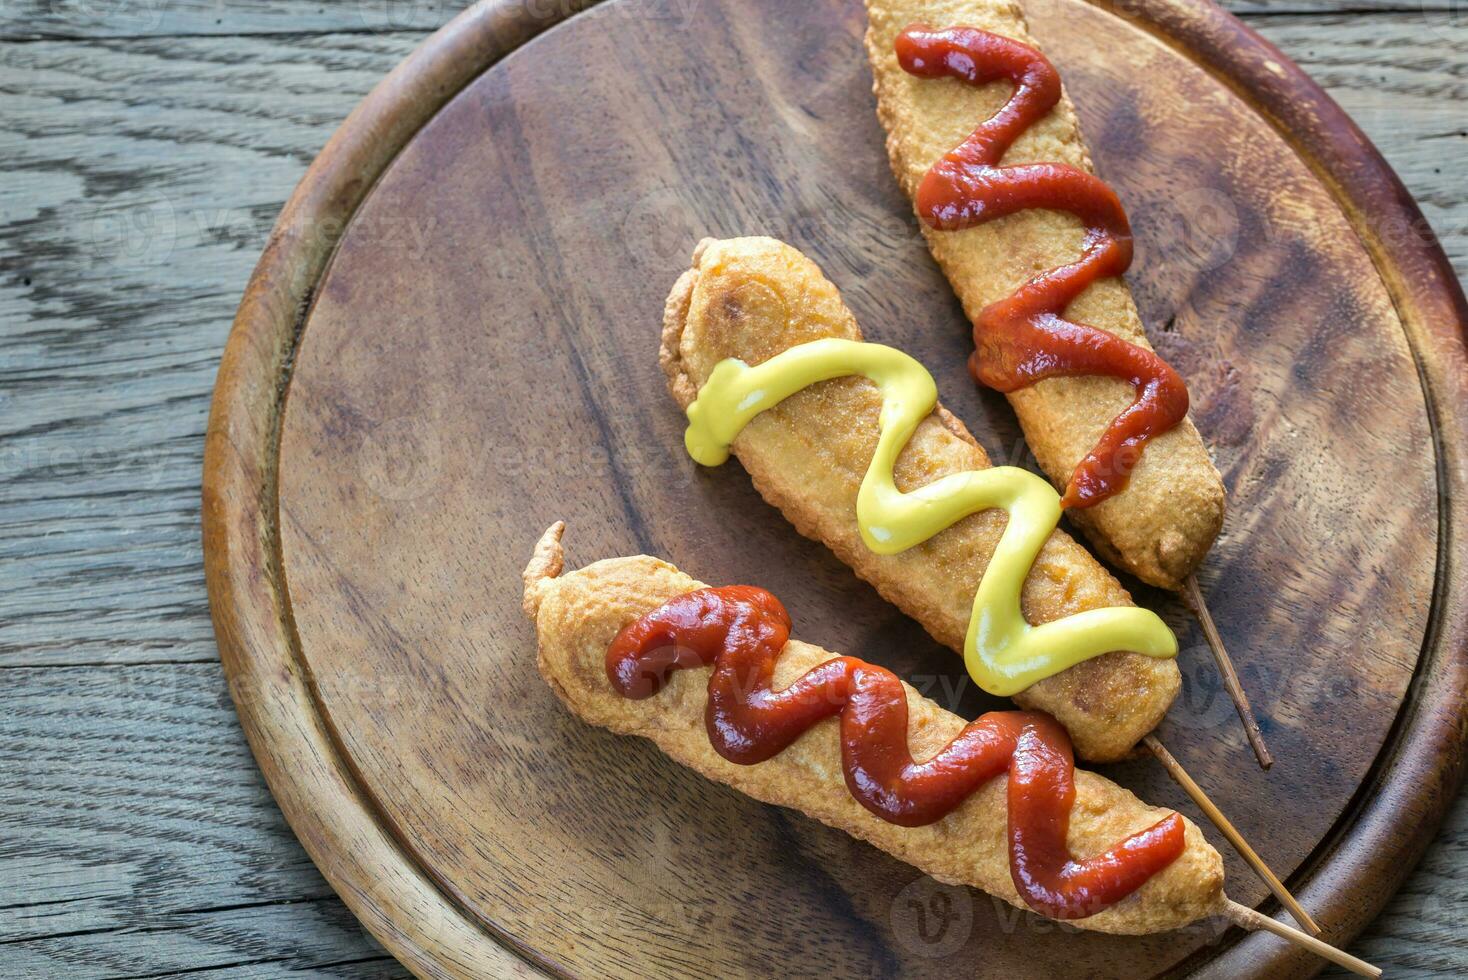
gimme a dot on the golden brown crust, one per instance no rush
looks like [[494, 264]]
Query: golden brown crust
[[1163, 524], [579, 614], [754, 297]]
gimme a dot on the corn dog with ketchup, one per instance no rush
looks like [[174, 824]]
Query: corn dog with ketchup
[[754, 299], [986, 144], [711, 677]]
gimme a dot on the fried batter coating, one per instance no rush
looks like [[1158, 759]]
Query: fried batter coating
[[1161, 526], [752, 298], [579, 614]]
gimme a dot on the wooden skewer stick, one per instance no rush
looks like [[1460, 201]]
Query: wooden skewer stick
[[1176, 770], [1247, 918], [1193, 596]]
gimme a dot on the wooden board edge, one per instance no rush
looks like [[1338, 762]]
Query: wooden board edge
[[1398, 809], [1354, 871], [382, 885]]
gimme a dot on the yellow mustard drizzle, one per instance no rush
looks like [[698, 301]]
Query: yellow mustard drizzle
[[1003, 652]]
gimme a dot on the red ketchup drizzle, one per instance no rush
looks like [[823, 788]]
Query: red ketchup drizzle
[[741, 630], [1025, 337]]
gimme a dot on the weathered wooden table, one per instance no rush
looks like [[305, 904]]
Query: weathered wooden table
[[147, 146]]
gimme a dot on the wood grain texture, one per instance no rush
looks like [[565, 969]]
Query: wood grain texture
[[71, 19], [58, 19], [140, 838], [124, 168], [506, 331], [107, 355]]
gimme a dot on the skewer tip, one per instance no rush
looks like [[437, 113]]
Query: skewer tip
[[1247, 918], [1193, 596]]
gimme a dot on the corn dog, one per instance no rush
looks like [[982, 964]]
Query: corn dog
[[581, 615], [753, 298], [1160, 525]]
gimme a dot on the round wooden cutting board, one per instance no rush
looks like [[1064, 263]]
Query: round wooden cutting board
[[451, 342]]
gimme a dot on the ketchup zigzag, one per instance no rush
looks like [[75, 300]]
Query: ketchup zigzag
[[741, 630], [1025, 338]]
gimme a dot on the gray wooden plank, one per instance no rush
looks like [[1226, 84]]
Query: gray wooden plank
[[141, 178], [73, 19], [137, 835], [271, 940], [47, 19], [384, 968]]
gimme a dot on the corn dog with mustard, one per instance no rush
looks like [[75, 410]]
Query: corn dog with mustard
[[713, 679], [754, 299], [986, 143]]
